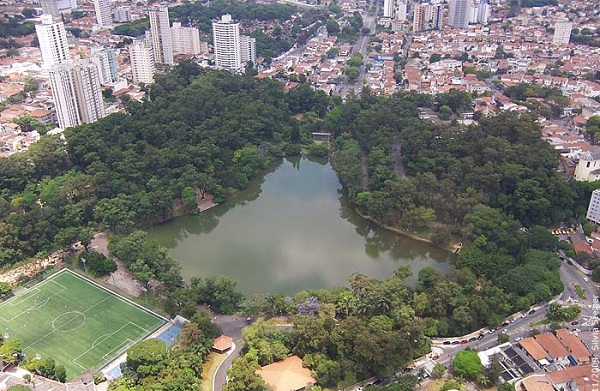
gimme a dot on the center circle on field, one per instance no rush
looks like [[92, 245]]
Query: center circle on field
[[68, 321]]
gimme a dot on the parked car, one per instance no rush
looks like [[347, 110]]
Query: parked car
[[504, 324], [504, 331], [531, 312], [480, 336], [574, 322], [472, 339], [524, 315], [436, 356], [518, 339], [455, 342], [447, 342], [464, 341]]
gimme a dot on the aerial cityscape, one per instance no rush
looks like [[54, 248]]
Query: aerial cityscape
[[254, 195]]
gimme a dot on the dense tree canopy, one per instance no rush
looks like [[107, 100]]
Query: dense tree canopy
[[198, 130], [478, 182]]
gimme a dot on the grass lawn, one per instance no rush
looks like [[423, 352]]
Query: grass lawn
[[580, 292], [542, 322], [210, 367], [76, 322], [433, 385]]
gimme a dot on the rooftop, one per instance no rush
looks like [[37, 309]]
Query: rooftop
[[287, 375]]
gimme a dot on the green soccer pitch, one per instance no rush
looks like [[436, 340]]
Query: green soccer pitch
[[76, 322]]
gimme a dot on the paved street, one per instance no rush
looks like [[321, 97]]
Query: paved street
[[231, 326], [521, 327]]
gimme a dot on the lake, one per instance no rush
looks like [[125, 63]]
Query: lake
[[290, 230]]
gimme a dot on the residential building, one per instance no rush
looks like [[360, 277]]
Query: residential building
[[160, 33], [419, 18], [480, 12], [122, 14], [588, 167], [57, 7], [388, 8], [400, 12], [186, 40], [435, 13], [593, 212], [141, 59], [107, 64], [247, 49], [77, 93], [88, 92], [562, 33], [63, 92], [226, 41], [427, 16], [103, 13], [460, 13], [52, 37]]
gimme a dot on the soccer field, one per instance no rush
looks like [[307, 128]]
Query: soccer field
[[76, 322]]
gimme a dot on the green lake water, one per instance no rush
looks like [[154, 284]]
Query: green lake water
[[290, 230]]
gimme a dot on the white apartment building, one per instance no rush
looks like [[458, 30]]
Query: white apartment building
[[400, 12], [107, 64], [480, 12], [562, 33], [52, 37], [63, 93], [141, 59], [593, 212], [122, 14], [77, 93], [460, 13], [388, 8], [247, 49], [186, 40], [88, 92], [226, 41], [160, 33], [57, 7], [103, 13]]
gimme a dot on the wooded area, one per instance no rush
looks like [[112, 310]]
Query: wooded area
[[209, 131]]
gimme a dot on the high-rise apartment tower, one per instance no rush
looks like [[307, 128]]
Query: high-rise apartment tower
[[52, 37], [103, 13], [562, 33], [226, 40], [142, 63], [160, 32], [460, 13]]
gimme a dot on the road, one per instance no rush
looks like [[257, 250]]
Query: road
[[361, 46], [397, 155], [231, 326], [517, 326], [521, 326]]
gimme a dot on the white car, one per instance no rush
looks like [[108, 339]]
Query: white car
[[518, 339]]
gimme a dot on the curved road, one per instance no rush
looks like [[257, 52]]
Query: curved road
[[232, 327], [520, 327]]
